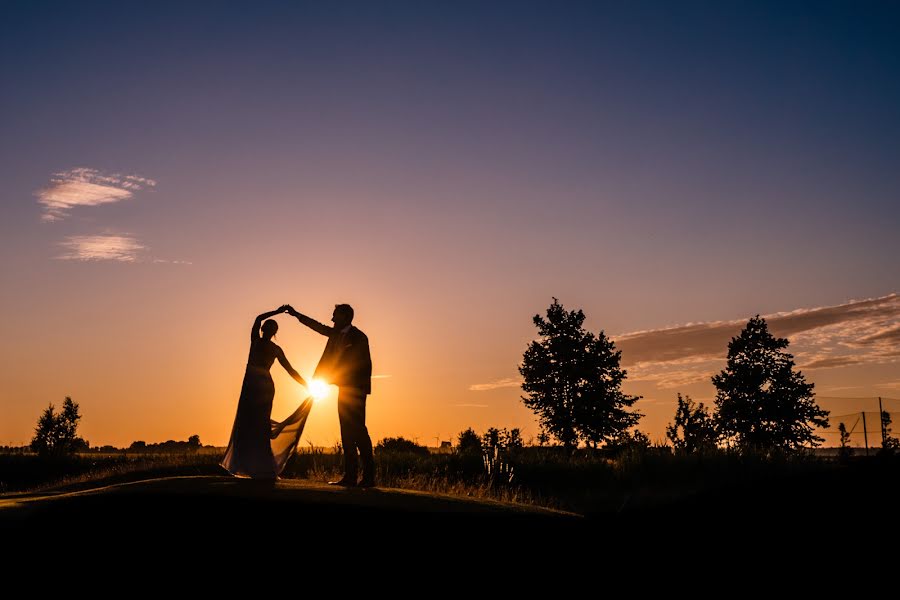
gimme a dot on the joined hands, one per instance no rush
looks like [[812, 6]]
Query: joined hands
[[287, 308]]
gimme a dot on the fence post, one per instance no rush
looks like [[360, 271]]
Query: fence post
[[865, 434]]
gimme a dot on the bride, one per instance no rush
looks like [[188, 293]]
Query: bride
[[260, 447]]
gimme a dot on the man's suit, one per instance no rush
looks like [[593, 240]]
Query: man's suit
[[346, 363]]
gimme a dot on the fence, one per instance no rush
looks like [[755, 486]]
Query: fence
[[868, 421]]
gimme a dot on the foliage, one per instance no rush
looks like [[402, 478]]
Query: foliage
[[572, 381], [763, 405], [191, 445], [503, 439], [56, 434], [468, 442], [845, 450], [400, 444], [693, 429], [513, 438], [889, 444], [628, 441], [491, 439]]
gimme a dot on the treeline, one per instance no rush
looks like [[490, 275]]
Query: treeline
[[191, 445]]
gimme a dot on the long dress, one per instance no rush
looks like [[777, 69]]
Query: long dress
[[260, 447]]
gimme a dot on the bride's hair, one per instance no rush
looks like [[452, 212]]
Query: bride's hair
[[270, 325]]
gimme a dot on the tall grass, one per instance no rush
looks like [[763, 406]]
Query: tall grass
[[586, 481]]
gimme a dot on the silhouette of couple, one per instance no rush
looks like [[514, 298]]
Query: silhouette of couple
[[260, 447]]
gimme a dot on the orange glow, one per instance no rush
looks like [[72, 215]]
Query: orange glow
[[318, 389]]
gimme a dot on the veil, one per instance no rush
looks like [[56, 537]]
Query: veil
[[286, 434]]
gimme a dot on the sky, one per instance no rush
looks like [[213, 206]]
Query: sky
[[170, 170]]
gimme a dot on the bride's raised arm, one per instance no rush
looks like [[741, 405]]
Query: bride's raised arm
[[287, 367], [254, 333]]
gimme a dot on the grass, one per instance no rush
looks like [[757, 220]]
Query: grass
[[586, 482]]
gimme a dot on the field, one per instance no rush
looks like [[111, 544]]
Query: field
[[647, 482]]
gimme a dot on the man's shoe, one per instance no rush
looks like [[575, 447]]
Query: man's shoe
[[367, 482], [343, 482]]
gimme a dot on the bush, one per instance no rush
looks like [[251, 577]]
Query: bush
[[401, 445]]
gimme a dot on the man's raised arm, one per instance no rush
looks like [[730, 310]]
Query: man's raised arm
[[309, 322]]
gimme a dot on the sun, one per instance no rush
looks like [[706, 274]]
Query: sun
[[318, 389]]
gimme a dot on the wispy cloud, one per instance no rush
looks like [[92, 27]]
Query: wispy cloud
[[121, 248], [828, 337], [494, 385], [86, 187], [380, 376], [832, 362], [848, 323]]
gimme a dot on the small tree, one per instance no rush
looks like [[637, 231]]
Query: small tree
[[889, 444], [635, 442], [693, 429], [492, 438], [513, 438], [194, 441], [763, 404], [572, 380], [543, 438], [400, 445], [56, 434], [845, 450], [468, 442]]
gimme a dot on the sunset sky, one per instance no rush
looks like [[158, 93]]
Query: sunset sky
[[171, 169]]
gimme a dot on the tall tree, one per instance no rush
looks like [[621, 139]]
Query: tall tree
[[572, 380], [693, 429], [763, 405]]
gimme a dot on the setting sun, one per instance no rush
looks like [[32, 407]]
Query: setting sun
[[318, 389]]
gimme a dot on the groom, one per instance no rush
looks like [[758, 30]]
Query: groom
[[347, 364]]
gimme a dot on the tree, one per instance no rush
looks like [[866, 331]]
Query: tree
[[573, 381], [492, 438], [889, 444], [468, 442], [401, 445], [845, 450], [693, 429], [194, 440], [56, 434], [763, 405], [513, 438]]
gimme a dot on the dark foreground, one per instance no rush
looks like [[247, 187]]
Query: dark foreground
[[210, 505], [771, 507], [200, 524]]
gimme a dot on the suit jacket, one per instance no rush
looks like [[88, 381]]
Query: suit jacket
[[346, 361]]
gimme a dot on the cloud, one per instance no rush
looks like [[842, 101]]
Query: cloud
[[845, 324], [832, 362], [495, 385], [889, 335], [121, 248], [86, 187], [380, 376], [855, 333]]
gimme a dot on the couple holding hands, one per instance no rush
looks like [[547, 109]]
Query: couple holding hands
[[260, 447]]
